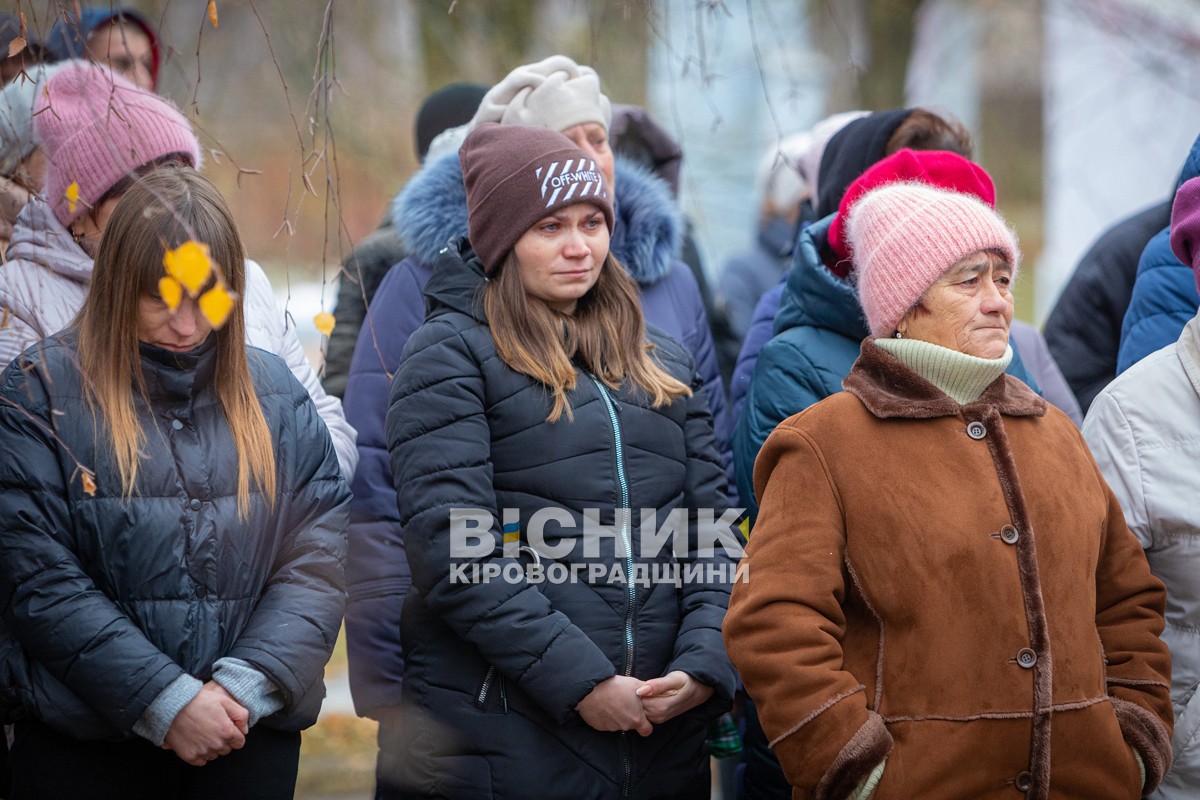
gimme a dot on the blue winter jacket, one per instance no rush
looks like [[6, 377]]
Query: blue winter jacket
[[818, 333], [750, 273], [429, 212], [762, 328], [1164, 292]]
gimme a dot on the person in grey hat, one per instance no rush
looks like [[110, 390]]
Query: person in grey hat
[[22, 164]]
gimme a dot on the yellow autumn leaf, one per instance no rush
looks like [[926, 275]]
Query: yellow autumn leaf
[[212, 12], [189, 264], [72, 194], [324, 322], [170, 291], [215, 305], [89, 483], [16, 46]]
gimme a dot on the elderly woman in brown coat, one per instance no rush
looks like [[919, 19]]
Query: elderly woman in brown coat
[[943, 599]]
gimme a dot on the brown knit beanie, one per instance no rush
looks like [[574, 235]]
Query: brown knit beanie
[[516, 175]]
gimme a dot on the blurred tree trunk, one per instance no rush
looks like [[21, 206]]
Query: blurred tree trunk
[[867, 44], [610, 35], [890, 27]]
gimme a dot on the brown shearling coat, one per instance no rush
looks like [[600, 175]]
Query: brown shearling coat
[[890, 609]]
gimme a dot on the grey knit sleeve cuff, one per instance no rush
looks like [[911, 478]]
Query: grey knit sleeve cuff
[[249, 686], [157, 718]]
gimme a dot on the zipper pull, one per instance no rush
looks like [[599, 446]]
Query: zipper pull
[[611, 395]]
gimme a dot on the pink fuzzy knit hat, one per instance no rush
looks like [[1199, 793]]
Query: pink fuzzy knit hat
[[904, 236], [96, 128]]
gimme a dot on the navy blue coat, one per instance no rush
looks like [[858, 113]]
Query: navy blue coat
[[1083, 330], [105, 600], [427, 213], [494, 669], [1164, 293]]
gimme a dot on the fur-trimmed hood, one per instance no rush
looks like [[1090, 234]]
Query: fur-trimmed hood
[[648, 235]]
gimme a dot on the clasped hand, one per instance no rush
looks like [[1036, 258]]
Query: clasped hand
[[213, 724], [627, 704]]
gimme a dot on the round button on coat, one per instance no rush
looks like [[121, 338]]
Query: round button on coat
[[1024, 781], [1026, 658], [976, 430], [176, 424], [1009, 535], [195, 504]]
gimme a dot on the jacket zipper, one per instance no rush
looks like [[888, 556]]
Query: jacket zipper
[[481, 698], [631, 594]]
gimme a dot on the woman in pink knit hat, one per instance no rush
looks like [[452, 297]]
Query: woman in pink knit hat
[[100, 134], [954, 607]]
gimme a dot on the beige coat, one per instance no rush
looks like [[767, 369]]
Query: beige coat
[[953, 587]]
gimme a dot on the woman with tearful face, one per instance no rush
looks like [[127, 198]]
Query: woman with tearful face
[[534, 387]]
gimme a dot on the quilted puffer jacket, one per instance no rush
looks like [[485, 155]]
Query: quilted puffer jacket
[[494, 669], [105, 600], [428, 212], [1164, 292]]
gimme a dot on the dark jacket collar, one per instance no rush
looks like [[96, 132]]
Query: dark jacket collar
[[457, 281], [178, 377], [891, 390]]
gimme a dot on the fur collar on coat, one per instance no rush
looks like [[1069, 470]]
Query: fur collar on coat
[[648, 236], [889, 389]]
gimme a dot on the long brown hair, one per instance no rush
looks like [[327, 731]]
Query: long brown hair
[[163, 209], [606, 332]]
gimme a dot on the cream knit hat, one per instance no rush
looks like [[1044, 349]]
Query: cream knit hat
[[904, 236], [554, 93]]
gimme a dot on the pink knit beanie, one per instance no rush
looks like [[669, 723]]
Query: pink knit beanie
[[96, 128], [904, 236], [1185, 226], [514, 176]]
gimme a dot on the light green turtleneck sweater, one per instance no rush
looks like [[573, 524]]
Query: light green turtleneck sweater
[[959, 375]]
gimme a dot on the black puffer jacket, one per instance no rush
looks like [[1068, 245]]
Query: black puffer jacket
[[493, 671], [1083, 330], [105, 601]]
